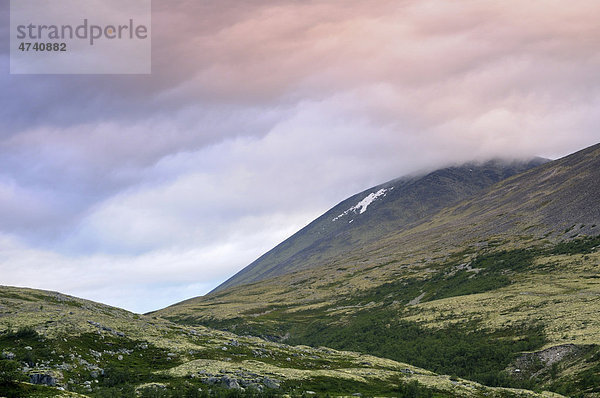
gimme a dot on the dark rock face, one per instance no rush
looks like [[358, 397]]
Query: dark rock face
[[42, 379]]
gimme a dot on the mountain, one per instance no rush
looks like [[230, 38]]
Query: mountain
[[498, 286], [375, 213], [54, 345], [493, 284]]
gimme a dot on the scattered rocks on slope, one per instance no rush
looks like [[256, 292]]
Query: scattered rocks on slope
[[106, 329], [238, 380], [535, 363]]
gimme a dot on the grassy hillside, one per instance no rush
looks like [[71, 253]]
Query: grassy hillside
[[75, 348], [501, 288], [472, 315]]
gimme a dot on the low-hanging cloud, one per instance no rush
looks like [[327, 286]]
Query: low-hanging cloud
[[260, 115]]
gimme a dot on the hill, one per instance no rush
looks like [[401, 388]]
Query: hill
[[500, 287], [57, 345]]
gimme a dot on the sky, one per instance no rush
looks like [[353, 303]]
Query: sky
[[142, 191]]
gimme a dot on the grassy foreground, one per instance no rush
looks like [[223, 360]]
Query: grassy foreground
[[71, 347]]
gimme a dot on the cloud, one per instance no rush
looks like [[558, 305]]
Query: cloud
[[160, 277], [261, 115]]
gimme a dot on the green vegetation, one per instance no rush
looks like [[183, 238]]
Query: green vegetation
[[577, 246], [489, 272], [463, 350], [485, 273], [397, 387], [96, 351], [10, 373], [372, 320], [586, 382], [20, 390]]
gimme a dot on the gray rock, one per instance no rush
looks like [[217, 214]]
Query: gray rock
[[64, 366], [96, 353], [106, 329], [212, 380], [257, 387], [230, 383], [271, 383], [42, 379]]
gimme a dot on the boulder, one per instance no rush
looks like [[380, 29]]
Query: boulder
[[44, 379], [229, 383], [271, 383]]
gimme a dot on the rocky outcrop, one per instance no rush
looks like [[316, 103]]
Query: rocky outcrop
[[240, 381], [536, 364], [45, 379]]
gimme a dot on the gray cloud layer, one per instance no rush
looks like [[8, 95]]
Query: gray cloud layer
[[258, 116]]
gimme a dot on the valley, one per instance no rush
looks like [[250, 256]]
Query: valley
[[478, 280]]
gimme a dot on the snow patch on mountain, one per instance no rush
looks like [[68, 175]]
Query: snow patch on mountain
[[362, 206]]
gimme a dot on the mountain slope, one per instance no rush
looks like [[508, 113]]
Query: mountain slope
[[510, 269], [375, 213]]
